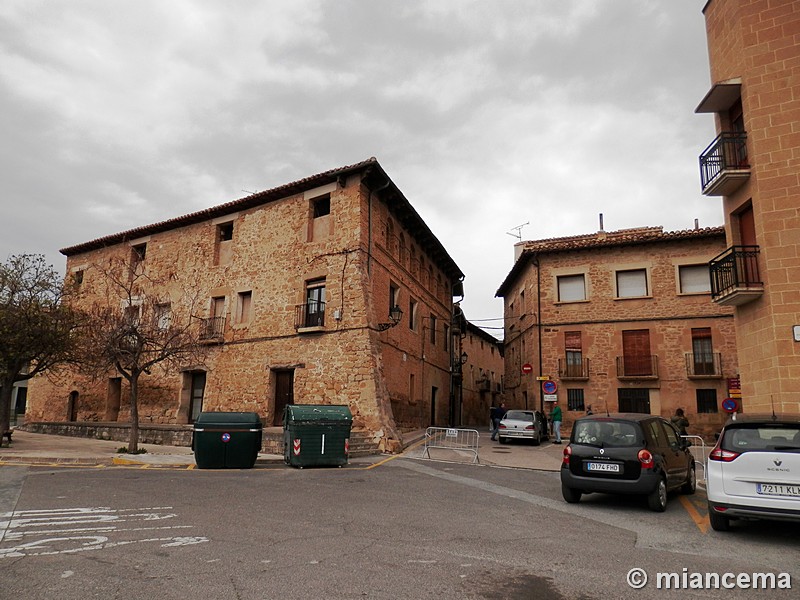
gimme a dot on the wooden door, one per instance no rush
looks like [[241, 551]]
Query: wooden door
[[284, 394], [636, 352]]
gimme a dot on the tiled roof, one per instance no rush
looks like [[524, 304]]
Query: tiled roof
[[602, 239], [397, 203]]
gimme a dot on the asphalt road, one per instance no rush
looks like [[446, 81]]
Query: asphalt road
[[402, 528]]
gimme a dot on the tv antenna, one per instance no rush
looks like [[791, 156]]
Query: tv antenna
[[517, 231]]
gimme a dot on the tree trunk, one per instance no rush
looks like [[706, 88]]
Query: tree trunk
[[133, 440], [6, 390]]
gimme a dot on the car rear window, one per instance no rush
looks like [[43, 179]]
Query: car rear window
[[764, 437], [520, 415], [607, 433]]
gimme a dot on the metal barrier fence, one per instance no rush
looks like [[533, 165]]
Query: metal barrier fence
[[698, 451], [450, 438]]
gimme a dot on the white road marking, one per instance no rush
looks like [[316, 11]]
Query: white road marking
[[62, 537]]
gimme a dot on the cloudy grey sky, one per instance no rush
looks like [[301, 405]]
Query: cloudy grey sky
[[487, 114]]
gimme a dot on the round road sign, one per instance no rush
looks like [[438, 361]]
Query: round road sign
[[730, 405], [527, 368], [549, 386], [226, 437]]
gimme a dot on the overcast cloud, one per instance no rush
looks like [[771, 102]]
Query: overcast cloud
[[486, 114]]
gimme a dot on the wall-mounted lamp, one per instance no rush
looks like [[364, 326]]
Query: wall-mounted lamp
[[395, 314], [464, 357]]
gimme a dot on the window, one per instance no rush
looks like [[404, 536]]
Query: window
[[163, 316], [706, 401], [634, 400], [571, 288], [574, 354], [694, 279], [636, 358], [225, 232], [244, 307], [412, 314], [218, 306], [446, 336], [575, 400], [390, 236], [321, 206], [132, 314], [702, 351], [632, 284], [315, 303], [394, 296], [138, 252], [77, 277], [433, 330]]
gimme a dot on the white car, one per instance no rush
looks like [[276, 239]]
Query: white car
[[523, 425], [754, 470]]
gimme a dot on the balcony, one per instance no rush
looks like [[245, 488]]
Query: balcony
[[735, 279], [724, 165], [705, 365], [573, 370], [309, 317], [639, 366], [212, 330]]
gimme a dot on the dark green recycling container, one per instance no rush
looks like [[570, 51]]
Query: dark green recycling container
[[226, 440], [316, 435]]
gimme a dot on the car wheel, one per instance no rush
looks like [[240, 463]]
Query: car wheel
[[502, 440], [691, 482], [718, 522], [657, 499], [538, 439], [570, 495]]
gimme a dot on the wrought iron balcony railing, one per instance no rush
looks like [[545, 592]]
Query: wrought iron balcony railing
[[212, 329], [643, 366], [703, 365], [735, 278], [311, 314], [724, 164], [573, 370]]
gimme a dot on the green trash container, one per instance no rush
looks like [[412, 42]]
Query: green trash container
[[316, 435], [226, 440]]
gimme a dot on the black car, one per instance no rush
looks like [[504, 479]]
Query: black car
[[626, 454]]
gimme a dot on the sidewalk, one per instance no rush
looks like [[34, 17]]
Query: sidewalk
[[42, 449]]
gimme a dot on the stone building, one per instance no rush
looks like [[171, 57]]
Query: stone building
[[754, 165], [621, 321], [483, 373], [296, 287]]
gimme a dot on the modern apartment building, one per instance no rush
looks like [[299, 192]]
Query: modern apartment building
[[754, 166], [327, 290], [619, 321]]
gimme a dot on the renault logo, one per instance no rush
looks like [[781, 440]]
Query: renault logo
[[778, 463], [602, 451]]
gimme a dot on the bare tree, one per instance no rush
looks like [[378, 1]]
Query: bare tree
[[137, 326], [36, 324]]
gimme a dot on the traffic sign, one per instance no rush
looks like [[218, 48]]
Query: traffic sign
[[549, 386], [226, 437], [527, 368], [730, 405]]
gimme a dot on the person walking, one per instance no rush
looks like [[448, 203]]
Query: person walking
[[555, 417], [497, 413]]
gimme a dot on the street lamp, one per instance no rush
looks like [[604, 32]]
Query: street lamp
[[395, 314]]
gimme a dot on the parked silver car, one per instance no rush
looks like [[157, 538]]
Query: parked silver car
[[754, 470], [523, 425]]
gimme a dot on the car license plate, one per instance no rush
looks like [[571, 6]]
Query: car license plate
[[608, 467], [774, 489]]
